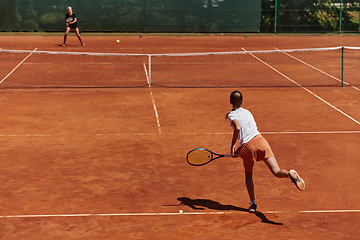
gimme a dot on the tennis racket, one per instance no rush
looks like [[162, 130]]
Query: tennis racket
[[70, 19], [202, 156]]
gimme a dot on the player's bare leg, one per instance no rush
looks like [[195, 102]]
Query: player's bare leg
[[78, 36], [275, 169], [249, 165], [281, 173], [65, 35]]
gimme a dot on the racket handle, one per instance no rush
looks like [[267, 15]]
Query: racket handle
[[227, 155]]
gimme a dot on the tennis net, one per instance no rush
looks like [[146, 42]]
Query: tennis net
[[272, 68]]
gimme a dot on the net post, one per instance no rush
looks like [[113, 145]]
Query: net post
[[149, 70], [340, 18], [342, 66]]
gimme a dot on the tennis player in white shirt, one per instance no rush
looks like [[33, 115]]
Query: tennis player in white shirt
[[253, 147]]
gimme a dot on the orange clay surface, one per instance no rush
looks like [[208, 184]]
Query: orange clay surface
[[99, 164]]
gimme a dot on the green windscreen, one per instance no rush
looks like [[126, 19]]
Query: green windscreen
[[133, 15]]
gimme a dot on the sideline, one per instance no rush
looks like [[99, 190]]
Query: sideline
[[298, 84], [17, 66]]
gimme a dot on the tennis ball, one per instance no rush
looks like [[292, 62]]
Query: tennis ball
[[118, 41]]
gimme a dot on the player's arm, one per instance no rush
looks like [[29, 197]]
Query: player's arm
[[236, 126], [73, 21]]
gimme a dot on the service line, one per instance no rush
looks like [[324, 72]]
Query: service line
[[172, 134]]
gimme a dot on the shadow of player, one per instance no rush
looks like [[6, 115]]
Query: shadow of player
[[201, 204]]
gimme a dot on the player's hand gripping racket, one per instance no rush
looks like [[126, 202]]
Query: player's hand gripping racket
[[202, 156]]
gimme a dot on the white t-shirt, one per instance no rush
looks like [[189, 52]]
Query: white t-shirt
[[248, 128]]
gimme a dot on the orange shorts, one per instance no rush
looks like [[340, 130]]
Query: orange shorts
[[257, 149]]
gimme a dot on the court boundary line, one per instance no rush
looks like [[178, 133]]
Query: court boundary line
[[279, 132], [298, 84], [152, 99], [209, 133], [319, 70], [17, 66], [113, 214], [319, 211], [181, 212]]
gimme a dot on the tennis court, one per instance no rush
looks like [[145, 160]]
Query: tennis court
[[87, 162]]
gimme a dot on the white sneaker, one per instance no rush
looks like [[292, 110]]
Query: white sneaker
[[297, 180]]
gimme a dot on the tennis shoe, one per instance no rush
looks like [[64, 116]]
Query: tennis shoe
[[297, 180], [252, 208], [63, 44], [82, 44]]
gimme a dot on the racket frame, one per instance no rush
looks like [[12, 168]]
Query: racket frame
[[213, 156]]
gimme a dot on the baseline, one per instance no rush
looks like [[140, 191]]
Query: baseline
[[181, 212]]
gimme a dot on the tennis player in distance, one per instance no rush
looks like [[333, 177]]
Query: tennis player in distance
[[253, 147], [71, 23]]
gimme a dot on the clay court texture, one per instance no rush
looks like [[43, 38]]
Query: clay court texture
[[109, 163]]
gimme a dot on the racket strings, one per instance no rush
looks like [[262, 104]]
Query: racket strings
[[199, 157]]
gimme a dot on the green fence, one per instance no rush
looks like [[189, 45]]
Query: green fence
[[133, 15], [209, 16]]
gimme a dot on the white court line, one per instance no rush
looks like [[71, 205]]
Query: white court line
[[25, 135], [153, 134], [152, 99], [291, 80], [321, 132], [318, 132], [337, 79], [17, 66], [330, 211], [113, 214], [181, 212], [318, 211]]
